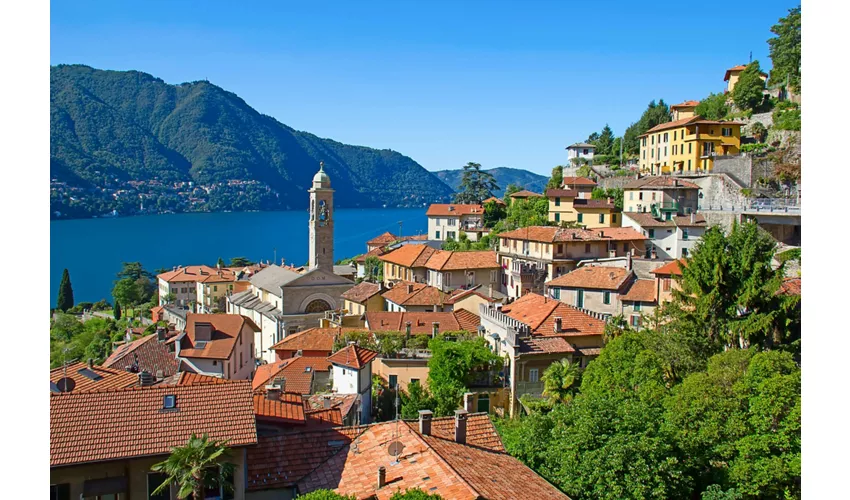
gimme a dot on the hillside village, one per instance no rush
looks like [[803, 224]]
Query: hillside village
[[533, 345]]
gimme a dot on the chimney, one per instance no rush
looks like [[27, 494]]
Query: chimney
[[410, 288], [653, 254], [425, 422], [609, 201], [161, 333], [273, 393], [382, 477], [468, 401], [203, 331], [693, 218], [490, 291], [407, 330], [628, 261], [559, 322], [326, 402], [460, 426], [91, 363], [146, 379], [435, 330]]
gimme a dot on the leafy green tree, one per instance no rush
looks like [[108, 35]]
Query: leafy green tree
[[559, 380], [414, 494], [240, 262], [759, 131], [169, 297], [127, 291], [475, 184], [739, 422], [416, 398], [200, 464], [557, 178], [716, 492], [533, 211], [325, 495], [785, 49], [749, 90], [65, 300], [453, 366], [374, 269], [655, 114], [713, 107], [511, 189], [220, 263], [585, 170], [133, 271], [493, 213], [616, 195], [116, 311]]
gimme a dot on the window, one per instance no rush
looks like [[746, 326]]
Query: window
[[154, 480], [651, 233], [668, 216], [557, 217], [450, 235], [241, 362], [60, 491], [707, 148], [689, 164], [556, 293], [557, 201], [684, 252], [215, 288], [684, 234], [666, 137], [640, 195], [674, 149], [613, 218], [437, 235], [625, 247], [643, 153], [726, 132], [652, 153], [579, 217], [631, 195], [533, 375], [637, 306], [601, 218], [665, 150], [674, 137], [452, 222], [580, 298], [447, 279], [587, 248], [644, 141], [215, 362], [606, 297], [634, 320], [665, 284], [652, 139], [393, 380], [494, 276]]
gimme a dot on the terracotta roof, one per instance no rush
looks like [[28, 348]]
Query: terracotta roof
[[425, 256], [420, 322], [686, 104], [406, 255], [591, 203], [791, 286], [382, 239], [226, 331], [151, 355], [408, 293], [353, 356], [297, 373], [660, 182], [641, 291], [670, 268], [312, 339], [375, 252], [460, 294], [645, 219], [361, 292], [545, 345], [524, 194], [127, 423], [467, 320], [188, 378], [415, 237], [451, 209], [343, 402], [493, 198], [539, 313], [196, 273], [595, 277], [577, 181], [739, 67], [550, 234], [479, 431], [561, 193], [100, 377], [693, 120], [289, 408], [444, 260], [331, 417], [581, 145]]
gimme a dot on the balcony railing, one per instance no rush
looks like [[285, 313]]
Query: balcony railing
[[491, 378], [530, 388]]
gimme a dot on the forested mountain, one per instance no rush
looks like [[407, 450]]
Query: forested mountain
[[503, 175], [120, 136]]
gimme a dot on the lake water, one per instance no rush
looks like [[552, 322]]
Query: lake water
[[93, 249]]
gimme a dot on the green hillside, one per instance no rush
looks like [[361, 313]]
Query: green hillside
[[503, 175], [121, 137]]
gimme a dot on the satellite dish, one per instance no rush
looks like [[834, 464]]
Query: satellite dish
[[66, 384], [395, 448]]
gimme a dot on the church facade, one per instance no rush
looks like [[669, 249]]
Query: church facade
[[282, 301]]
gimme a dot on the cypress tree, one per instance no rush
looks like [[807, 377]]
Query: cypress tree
[[65, 300], [116, 311]]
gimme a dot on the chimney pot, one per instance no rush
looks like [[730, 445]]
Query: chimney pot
[[410, 288], [460, 426], [468, 401], [382, 477], [91, 363], [425, 422], [326, 402], [273, 393], [559, 324]]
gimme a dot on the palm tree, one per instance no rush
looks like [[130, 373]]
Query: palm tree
[[198, 465], [558, 380]]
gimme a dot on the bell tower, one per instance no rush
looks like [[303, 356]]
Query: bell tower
[[321, 221]]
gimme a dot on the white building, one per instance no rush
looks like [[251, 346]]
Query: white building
[[671, 238], [352, 374], [447, 221], [581, 150]]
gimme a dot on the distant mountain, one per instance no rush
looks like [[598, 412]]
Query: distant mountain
[[503, 175], [120, 136]]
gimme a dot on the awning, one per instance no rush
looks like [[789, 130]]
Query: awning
[[105, 486]]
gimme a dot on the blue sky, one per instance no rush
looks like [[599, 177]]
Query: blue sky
[[500, 83]]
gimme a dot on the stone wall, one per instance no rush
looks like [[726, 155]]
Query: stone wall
[[614, 182], [738, 168], [719, 190], [722, 219]]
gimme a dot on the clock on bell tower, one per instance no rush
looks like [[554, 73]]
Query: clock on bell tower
[[321, 221]]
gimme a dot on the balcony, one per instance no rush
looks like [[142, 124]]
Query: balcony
[[490, 378], [530, 388], [659, 208]]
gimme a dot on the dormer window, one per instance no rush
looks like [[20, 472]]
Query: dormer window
[[169, 402]]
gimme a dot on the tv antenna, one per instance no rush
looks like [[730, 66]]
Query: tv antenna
[[400, 223]]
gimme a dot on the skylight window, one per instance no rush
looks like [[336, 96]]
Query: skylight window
[[169, 402], [89, 374]]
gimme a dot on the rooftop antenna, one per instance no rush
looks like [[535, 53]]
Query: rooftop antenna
[[399, 227]]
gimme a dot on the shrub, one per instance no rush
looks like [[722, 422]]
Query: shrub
[[757, 147], [789, 119]]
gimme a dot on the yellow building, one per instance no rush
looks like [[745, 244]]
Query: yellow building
[[687, 145], [570, 205], [733, 74], [687, 109]]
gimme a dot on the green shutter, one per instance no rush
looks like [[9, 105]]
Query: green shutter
[[579, 217]]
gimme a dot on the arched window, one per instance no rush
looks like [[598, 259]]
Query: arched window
[[317, 306]]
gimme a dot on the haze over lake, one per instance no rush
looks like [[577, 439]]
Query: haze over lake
[[93, 249]]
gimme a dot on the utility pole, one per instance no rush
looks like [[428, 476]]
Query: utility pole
[[400, 223], [275, 256], [622, 139]]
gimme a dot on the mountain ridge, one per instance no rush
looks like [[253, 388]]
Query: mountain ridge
[[128, 133], [503, 175]]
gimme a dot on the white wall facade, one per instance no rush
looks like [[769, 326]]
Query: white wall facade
[[348, 381], [669, 241], [442, 227], [586, 153]]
